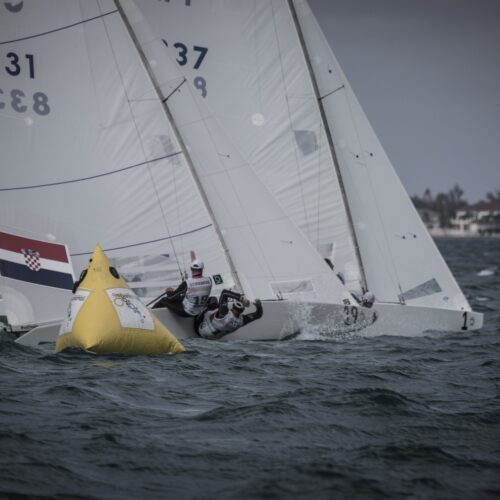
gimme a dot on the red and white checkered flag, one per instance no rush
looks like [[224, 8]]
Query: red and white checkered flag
[[32, 259]]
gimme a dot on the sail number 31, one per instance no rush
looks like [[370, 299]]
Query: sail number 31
[[19, 102]]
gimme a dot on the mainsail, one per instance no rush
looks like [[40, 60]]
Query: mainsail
[[159, 128], [402, 262], [245, 60], [273, 259], [88, 155]]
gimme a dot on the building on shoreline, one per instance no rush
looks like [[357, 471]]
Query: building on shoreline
[[480, 219]]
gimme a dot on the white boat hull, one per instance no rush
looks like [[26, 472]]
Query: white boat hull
[[284, 320]]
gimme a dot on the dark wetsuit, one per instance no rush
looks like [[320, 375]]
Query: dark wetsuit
[[190, 298], [173, 301]]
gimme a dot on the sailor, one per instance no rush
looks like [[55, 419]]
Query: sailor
[[368, 299], [220, 320], [190, 298]]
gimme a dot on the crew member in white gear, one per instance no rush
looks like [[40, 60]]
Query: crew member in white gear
[[190, 298], [222, 320]]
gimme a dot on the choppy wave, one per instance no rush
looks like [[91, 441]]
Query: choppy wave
[[488, 272], [389, 417]]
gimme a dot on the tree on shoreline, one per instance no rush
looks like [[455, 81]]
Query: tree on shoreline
[[493, 196], [445, 204]]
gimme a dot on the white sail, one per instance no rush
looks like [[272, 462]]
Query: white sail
[[88, 156], [402, 262], [244, 60], [272, 257], [205, 138], [255, 83]]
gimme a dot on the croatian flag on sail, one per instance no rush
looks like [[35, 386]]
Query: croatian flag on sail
[[35, 261]]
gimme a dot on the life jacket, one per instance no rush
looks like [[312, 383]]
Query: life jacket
[[197, 293], [211, 325]]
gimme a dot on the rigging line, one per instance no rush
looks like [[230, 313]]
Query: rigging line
[[134, 121], [329, 136], [59, 29], [180, 140], [384, 255], [319, 186], [357, 195], [82, 179], [246, 163], [165, 99], [294, 146], [320, 98], [147, 242], [205, 120], [152, 99], [178, 213], [374, 194]]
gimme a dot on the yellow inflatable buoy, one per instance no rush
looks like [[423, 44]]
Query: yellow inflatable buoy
[[105, 316]]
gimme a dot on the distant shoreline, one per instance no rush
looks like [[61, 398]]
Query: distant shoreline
[[451, 233]]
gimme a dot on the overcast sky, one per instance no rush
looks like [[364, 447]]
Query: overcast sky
[[427, 73]]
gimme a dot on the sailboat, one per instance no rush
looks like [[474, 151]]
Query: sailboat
[[225, 128]]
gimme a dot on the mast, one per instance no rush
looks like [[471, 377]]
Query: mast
[[180, 140], [331, 146]]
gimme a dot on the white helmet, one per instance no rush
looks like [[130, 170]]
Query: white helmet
[[238, 306], [197, 264]]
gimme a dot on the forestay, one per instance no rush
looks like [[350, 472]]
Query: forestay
[[243, 59], [88, 155]]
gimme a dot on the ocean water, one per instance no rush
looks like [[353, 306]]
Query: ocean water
[[388, 417]]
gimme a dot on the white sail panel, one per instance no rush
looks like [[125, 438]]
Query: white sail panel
[[244, 59], [401, 261], [36, 17], [272, 257], [88, 156]]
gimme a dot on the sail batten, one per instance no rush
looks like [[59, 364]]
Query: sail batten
[[83, 179], [55, 30]]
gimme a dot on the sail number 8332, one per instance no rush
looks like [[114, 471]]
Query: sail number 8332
[[39, 102]]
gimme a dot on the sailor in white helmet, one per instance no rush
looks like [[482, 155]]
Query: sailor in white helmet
[[191, 296], [368, 299], [223, 319]]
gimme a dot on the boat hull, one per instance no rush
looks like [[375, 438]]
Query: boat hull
[[284, 320]]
